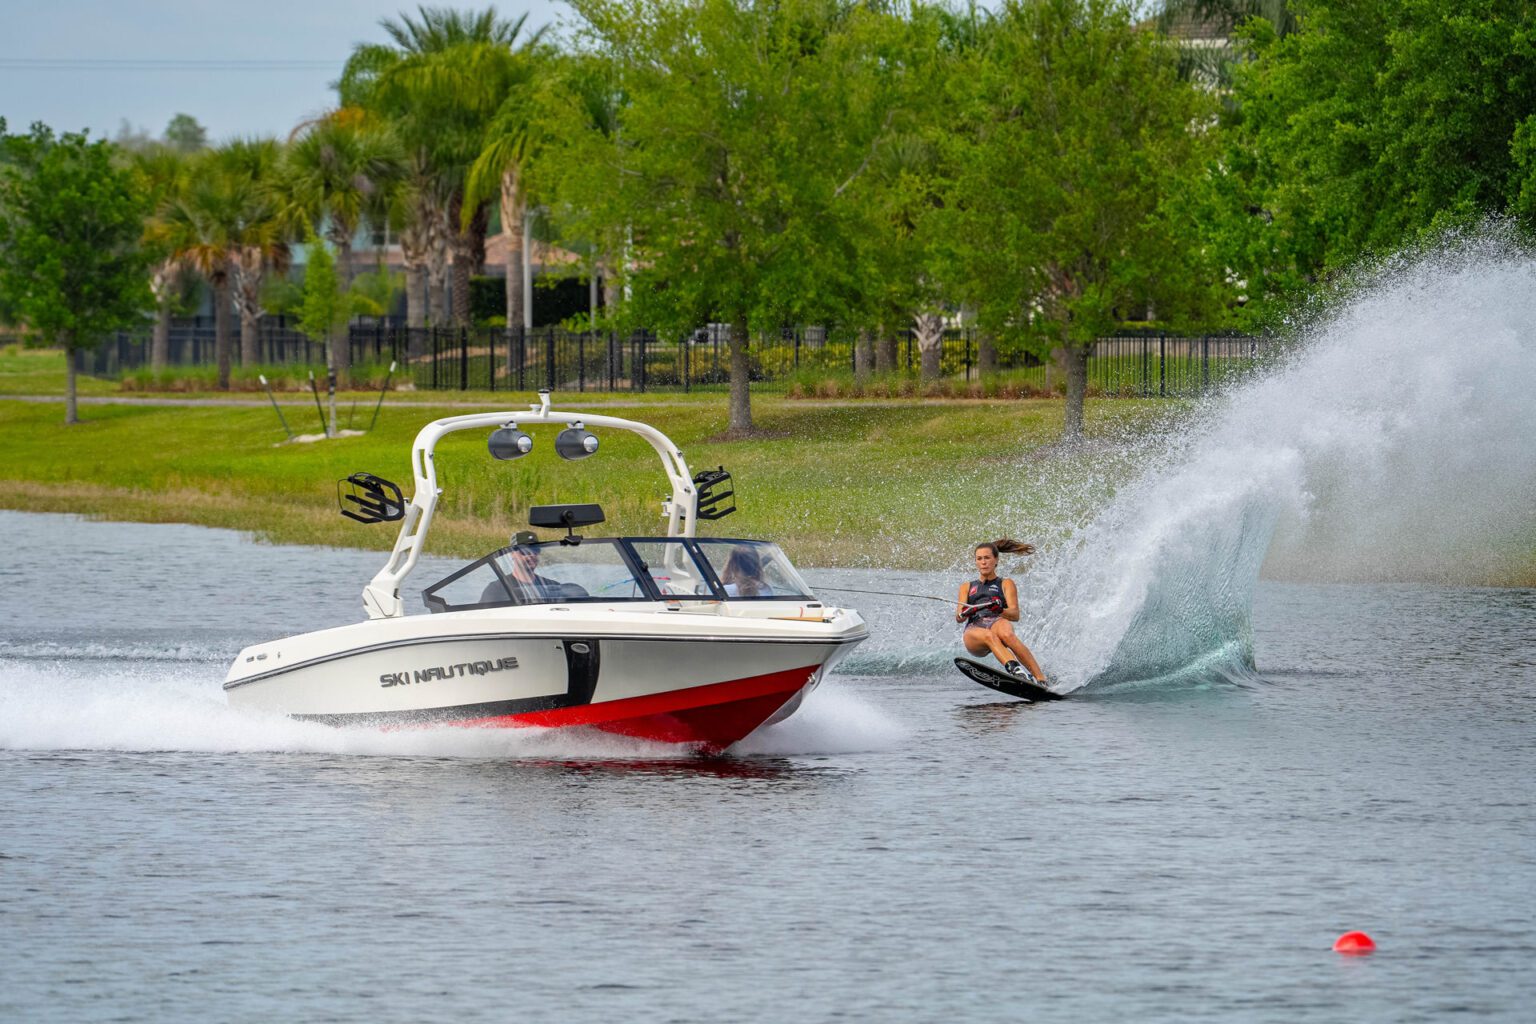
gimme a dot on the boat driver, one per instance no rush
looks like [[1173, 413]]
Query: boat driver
[[527, 585]]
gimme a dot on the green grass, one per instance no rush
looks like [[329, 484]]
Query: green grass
[[873, 483], [39, 371], [868, 483]]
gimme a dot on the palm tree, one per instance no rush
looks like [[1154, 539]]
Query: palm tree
[[337, 168], [261, 233], [199, 227], [502, 166], [162, 172], [440, 84]]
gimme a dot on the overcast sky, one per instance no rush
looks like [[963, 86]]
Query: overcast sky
[[76, 64]]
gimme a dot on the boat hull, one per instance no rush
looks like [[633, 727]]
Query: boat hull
[[708, 689]]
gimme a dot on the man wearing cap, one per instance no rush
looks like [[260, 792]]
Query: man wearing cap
[[527, 586]]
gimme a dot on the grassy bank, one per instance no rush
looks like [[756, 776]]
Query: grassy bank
[[872, 483]]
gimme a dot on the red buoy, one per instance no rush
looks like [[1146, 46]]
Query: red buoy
[[1354, 944]]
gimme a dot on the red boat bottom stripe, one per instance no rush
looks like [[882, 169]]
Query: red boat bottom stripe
[[714, 716]]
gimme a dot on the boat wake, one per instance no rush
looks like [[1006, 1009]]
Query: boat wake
[[155, 707], [1398, 442]]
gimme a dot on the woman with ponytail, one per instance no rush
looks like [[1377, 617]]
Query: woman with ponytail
[[989, 607]]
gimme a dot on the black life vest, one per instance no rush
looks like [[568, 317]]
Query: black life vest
[[979, 591]]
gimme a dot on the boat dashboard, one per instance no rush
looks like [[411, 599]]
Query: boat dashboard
[[611, 569]]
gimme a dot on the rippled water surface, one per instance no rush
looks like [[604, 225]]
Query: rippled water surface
[[908, 847]]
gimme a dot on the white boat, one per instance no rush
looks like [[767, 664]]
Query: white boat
[[674, 638]]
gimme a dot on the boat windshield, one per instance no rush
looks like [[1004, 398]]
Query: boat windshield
[[548, 573], [753, 569], [620, 569]]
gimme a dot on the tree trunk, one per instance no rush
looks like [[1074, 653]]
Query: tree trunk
[[610, 287], [1074, 363], [415, 296], [437, 281], [162, 284], [741, 396], [343, 344], [930, 344], [223, 314], [863, 354], [249, 264], [467, 244], [250, 337], [986, 354], [461, 267], [886, 349], [330, 382], [415, 252], [160, 340], [71, 406], [415, 312], [512, 231]]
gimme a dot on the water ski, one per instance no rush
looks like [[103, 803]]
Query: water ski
[[1021, 687]]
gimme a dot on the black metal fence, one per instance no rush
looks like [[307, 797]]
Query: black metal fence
[[492, 359]]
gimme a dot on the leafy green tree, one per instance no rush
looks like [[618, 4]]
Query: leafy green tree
[[185, 135], [574, 171], [741, 132], [374, 293], [71, 221], [325, 311], [896, 276], [1077, 133], [1378, 123]]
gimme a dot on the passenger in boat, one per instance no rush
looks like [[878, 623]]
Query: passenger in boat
[[989, 607], [528, 586], [743, 574]]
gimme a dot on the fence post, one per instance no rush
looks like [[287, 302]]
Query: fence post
[[687, 344], [490, 357], [463, 359], [549, 358], [640, 360], [1162, 364], [581, 361], [1205, 362], [522, 358]]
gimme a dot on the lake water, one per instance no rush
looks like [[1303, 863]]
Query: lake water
[[1245, 770], [908, 847]]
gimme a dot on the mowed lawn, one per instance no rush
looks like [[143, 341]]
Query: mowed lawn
[[888, 482]]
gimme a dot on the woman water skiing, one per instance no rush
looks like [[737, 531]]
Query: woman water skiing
[[989, 607]]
